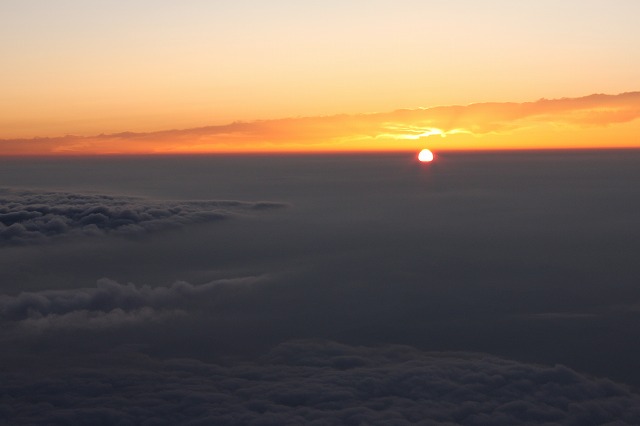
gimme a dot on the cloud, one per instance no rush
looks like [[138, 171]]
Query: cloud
[[28, 217], [442, 266], [113, 304], [315, 382], [345, 132]]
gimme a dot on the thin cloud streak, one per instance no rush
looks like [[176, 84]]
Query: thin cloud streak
[[395, 130]]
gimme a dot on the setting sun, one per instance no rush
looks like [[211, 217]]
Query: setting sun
[[425, 156]]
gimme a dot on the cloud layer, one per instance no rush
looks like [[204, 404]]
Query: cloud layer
[[111, 303], [391, 130], [32, 217], [525, 256], [317, 383]]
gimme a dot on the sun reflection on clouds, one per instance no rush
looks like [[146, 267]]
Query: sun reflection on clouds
[[398, 131]]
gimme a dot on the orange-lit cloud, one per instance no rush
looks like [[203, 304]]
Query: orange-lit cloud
[[591, 121]]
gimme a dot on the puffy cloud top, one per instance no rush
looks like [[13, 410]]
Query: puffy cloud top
[[319, 383], [110, 303], [31, 217]]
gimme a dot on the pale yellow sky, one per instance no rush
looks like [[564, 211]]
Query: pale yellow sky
[[86, 67]]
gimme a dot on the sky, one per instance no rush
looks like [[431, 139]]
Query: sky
[[87, 68]]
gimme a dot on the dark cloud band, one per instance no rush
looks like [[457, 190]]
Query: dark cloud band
[[32, 217], [318, 383]]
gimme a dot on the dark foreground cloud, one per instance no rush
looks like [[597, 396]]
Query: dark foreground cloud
[[317, 383], [110, 303], [32, 217]]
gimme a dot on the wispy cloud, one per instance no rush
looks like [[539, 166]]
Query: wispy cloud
[[110, 303], [375, 131]]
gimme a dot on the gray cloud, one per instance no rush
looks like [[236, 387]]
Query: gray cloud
[[32, 217], [318, 383], [519, 256], [111, 303]]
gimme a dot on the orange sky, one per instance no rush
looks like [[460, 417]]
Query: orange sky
[[593, 121], [85, 68]]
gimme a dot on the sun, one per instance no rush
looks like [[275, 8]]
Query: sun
[[425, 156]]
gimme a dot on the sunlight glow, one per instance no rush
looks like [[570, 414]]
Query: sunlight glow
[[590, 121]]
